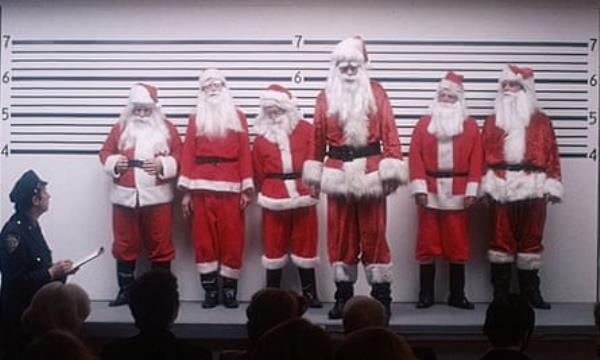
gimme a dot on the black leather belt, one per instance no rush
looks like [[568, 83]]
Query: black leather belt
[[285, 176], [518, 167], [445, 174], [135, 163], [213, 159], [348, 153]]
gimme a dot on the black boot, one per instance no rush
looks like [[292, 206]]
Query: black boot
[[230, 293], [529, 285], [426, 281], [125, 278], [501, 274], [274, 278], [344, 291], [457, 296], [211, 290], [383, 293], [309, 287], [166, 265]]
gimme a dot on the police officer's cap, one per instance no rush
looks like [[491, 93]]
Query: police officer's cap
[[28, 185]]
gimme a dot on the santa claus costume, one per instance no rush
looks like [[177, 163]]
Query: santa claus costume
[[141, 154], [445, 162], [356, 161], [284, 141], [523, 174], [216, 173]]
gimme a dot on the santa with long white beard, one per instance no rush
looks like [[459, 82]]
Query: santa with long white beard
[[357, 162], [216, 176], [445, 162], [141, 154], [289, 216], [523, 175]]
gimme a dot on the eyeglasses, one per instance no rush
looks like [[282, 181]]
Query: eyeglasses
[[213, 85], [141, 110], [273, 111], [348, 67]]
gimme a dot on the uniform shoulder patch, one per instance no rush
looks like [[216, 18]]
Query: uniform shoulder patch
[[11, 242]]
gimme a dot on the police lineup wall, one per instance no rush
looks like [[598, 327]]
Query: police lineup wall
[[67, 67]]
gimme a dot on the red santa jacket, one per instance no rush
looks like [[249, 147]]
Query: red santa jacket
[[446, 171], [537, 174], [363, 175], [271, 160], [135, 187], [216, 164]]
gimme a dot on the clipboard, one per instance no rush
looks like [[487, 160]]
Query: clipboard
[[79, 263]]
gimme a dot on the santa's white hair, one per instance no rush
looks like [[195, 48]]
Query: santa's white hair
[[150, 128], [276, 130], [215, 115], [352, 102], [447, 119]]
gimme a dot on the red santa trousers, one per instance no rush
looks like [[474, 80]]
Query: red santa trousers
[[218, 232], [357, 227], [442, 232], [518, 226], [147, 225], [293, 229]]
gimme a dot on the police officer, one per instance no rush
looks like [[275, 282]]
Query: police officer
[[25, 259]]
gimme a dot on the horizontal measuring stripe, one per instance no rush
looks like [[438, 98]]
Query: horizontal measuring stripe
[[569, 118], [13, 124], [565, 108], [144, 78], [479, 62], [58, 142], [52, 152], [573, 155], [76, 97], [58, 133], [577, 44], [71, 105], [571, 136], [171, 52], [84, 115], [570, 128], [573, 145], [217, 61], [154, 42], [469, 80]]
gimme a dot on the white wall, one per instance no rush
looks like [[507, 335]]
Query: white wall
[[79, 219]]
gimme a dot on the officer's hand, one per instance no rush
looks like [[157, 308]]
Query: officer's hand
[[389, 186], [186, 205], [552, 199], [153, 166], [122, 165], [421, 199], [60, 269], [486, 200], [246, 198], [315, 191], [469, 201]]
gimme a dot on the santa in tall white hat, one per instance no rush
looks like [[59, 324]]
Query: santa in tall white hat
[[216, 176], [445, 162], [356, 161], [289, 217], [522, 176], [141, 155]]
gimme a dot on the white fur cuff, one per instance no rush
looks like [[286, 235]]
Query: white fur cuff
[[273, 264], [231, 273], [529, 261], [418, 186], [247, 184], [207, 267], [472, 189], [499, 257], [303, 262], [312, 171], [393, 169], [169, 165], [554, 188], [378, 273], [344, 272], [110, 163]]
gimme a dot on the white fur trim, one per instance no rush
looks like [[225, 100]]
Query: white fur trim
[[169, 165], [518, 185], [312, 171], [273, 264], [452, 86], [499, 257], [247, 184], [393, 169], [143, 196], [379, 273], [232, 273], [349, 49], [303, 262], [529, 261], [207, 267], [554, 188], [286, 203], [212, 185], [351, 180], [110, 163], [139, 94], [211, 74], [445, 202], [418, 186], [344, 272], [472, 188], [278, 98]]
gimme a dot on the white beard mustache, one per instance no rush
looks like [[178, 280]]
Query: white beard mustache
[[446, 120], [513, 111], [352, 102], [216, 114], [137, 127], [276, 130]]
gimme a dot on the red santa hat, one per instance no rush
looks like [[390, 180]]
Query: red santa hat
[[211, 74], [351, 49], [143, 94], [523, 75], [452, 82], [277, 95]]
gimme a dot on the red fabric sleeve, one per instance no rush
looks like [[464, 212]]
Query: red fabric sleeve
[[111, 145]]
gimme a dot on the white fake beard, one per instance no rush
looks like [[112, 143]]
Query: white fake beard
[[216, 114], [276, 130], [137, 128], [512, 115], [446, 120], [352, 102]]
